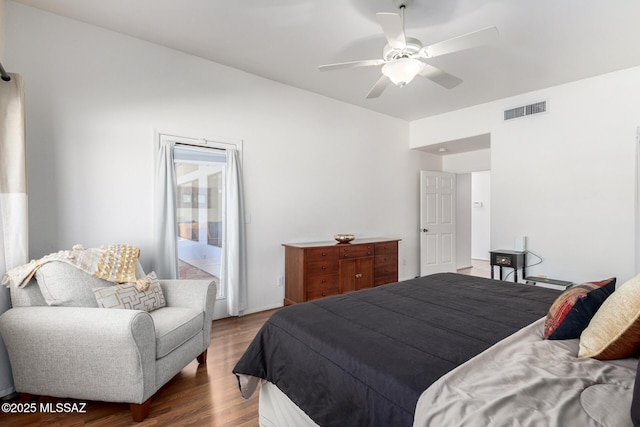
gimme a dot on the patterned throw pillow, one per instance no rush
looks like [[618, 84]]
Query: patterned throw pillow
[[614, 332], [572, 311], [128, 297]]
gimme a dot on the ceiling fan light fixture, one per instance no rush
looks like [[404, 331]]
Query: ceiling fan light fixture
[[402, 70]]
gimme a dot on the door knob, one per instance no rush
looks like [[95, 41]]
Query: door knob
[[424, 230]]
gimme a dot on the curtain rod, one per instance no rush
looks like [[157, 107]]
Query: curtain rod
[[5, 76]]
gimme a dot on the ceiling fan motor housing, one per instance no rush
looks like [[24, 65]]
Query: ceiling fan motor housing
[[402, 3], [411, 50]]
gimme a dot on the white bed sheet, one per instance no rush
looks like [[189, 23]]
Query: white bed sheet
[[525, 380], [275, 409]]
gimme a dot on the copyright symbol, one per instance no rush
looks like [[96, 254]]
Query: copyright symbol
[[6, 407]]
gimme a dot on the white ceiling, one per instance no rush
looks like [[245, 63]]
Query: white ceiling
[[543, 42]]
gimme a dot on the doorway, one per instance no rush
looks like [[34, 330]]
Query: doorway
[[465, 157], [480, 215]]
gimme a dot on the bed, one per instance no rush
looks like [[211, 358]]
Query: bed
[[445, 349]]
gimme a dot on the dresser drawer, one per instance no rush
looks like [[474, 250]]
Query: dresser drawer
[[383, 280], [356, 251], [386, 269], [386, 248], [323, 281], [318, 254], [391, 259], [321, 293], [322, 267]]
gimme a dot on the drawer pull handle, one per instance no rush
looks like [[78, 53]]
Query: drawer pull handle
[[324, 254], [324, 281], [324, 294], [323, 267]]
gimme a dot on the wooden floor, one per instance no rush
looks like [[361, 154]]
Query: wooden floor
[[197, 396], [479, 268], [204, 395]]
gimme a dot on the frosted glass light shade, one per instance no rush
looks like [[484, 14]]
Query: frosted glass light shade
[[402, 70]]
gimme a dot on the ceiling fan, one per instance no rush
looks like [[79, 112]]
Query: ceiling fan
[[402, 56]]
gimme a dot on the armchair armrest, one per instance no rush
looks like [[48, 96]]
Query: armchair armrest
[[78, 352], [198, 294]]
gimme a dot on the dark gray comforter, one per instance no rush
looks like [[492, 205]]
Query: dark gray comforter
[[364, 358]]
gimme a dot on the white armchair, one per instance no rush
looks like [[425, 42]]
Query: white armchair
[[113, 355]]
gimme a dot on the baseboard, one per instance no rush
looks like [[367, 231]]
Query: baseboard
[[265, 308], [218, 316]]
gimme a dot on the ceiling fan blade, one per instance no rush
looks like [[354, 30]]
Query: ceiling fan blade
[[466, 41], [352, 64], [379, 87], [391, 24], [440, 77]]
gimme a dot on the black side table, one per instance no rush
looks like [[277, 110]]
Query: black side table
[[511, 259]]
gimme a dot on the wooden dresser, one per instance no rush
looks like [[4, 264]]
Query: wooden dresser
[[320, 269]]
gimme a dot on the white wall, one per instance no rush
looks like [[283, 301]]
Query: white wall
[[481, 215], [2, 37], [565, 178], [471, 161], [313, 166]]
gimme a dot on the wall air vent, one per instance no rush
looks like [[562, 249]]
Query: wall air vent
[[525, 110]]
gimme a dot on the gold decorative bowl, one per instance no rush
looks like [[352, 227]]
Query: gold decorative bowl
[[344, 238]]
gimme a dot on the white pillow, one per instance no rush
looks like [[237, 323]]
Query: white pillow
[[614, 331]]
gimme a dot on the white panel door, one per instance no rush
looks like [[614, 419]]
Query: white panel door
[[437, 222]]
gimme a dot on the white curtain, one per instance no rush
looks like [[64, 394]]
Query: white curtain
[[165, 260], [637, 203], [14, 238], [234, 265], [233, 270]]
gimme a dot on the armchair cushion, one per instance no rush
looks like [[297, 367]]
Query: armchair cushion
[[28, 296], [174, 326], [62, 284]]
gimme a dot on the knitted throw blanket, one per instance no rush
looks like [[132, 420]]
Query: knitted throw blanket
[[115, 263]]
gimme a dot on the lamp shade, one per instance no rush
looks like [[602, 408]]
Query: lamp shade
[[402, 70]]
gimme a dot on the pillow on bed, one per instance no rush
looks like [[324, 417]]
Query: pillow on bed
[[635, 402], [614, 331], [572, 311]]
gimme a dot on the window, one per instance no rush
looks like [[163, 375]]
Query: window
[[198, 224], [199, 211]]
